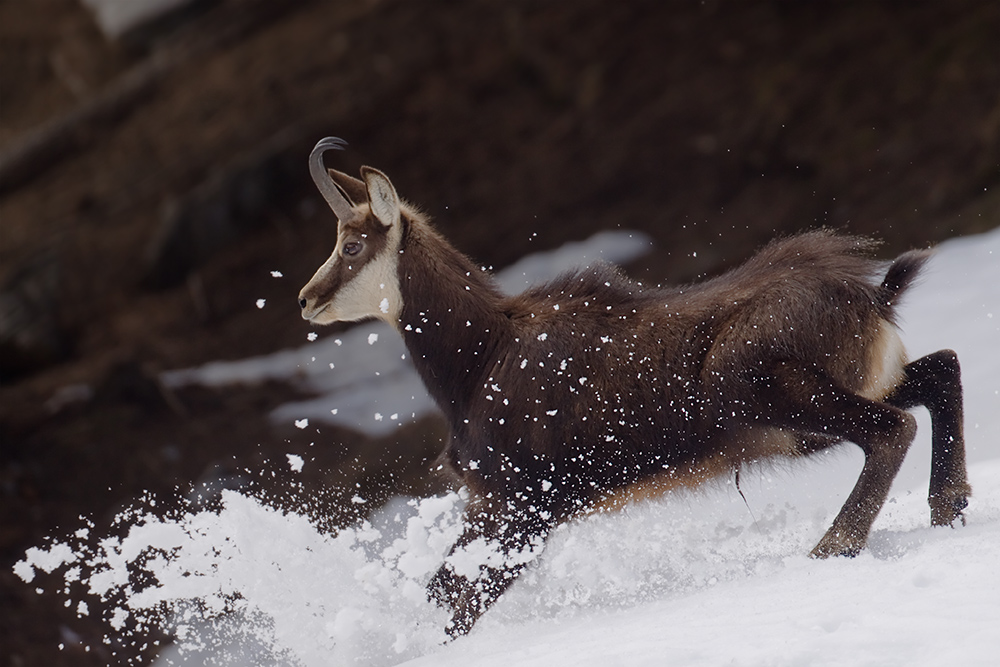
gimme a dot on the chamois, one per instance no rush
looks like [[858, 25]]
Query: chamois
[[592, 389]]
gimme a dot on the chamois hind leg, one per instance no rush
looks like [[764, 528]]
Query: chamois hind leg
[[805, 399], [935, 381], [512, 534]]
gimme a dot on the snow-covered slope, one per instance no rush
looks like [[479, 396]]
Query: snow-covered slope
[[721, 591], [695, 578]]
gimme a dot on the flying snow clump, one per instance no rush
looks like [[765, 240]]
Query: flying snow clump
[[295, 462]]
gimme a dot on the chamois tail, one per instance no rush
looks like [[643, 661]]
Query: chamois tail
[[902, 273]]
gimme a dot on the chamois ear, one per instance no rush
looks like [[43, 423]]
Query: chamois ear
[[354, 190], [381, 196]]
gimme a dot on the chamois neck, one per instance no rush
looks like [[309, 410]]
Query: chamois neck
[[451, 319]]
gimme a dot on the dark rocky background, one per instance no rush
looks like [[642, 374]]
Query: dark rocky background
[[149, 184]]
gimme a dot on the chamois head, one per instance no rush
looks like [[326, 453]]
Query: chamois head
[[359, 280]]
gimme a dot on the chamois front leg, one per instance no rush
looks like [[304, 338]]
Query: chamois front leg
[[806, 399], [935, 381], [448, 588], [512, 536]]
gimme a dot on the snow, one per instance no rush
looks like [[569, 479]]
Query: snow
[[695, 578], [295, 462], [652, 586]]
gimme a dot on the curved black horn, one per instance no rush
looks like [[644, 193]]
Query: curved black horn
[[333, 196]]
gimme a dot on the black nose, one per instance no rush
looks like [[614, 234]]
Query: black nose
[[302, 304]]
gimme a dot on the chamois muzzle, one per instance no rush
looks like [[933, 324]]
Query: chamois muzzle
[[331, 193]]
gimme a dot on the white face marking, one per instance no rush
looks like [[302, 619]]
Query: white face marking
[[373, 292]]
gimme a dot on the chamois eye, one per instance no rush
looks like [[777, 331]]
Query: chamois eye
[[351, 249]]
